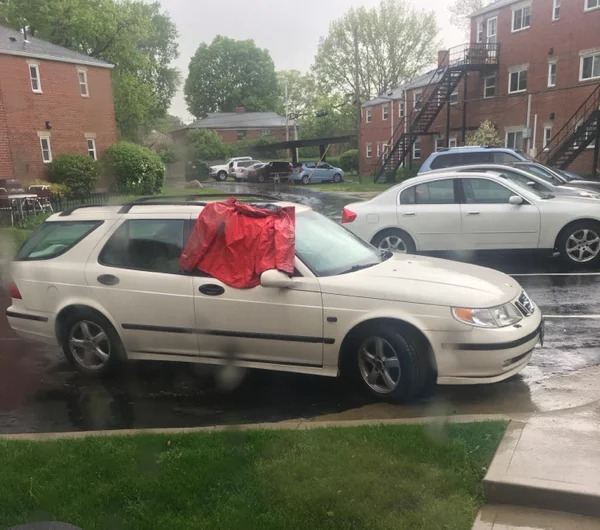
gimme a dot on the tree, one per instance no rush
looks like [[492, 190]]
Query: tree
[[301, 92], [206, 145], [138, 38], [487, 134], [461, 11], [395, 43], [229, 73]]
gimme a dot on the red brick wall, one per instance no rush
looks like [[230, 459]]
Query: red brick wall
[[70, 114], [6, 161], [231, 135]]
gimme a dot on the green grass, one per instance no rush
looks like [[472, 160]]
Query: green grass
[[403, 476]]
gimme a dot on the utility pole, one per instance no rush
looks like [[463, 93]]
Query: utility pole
[[357, 95]]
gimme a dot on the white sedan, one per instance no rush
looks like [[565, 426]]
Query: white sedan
[[454, 211]]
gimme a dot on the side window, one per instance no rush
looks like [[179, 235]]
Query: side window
[[478, 157], [501, 158], [447, 160], [145, 244], [310, 164], [408, 196], [481, 191], [436, 192]]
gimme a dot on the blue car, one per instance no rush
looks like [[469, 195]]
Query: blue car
[[317, 172]]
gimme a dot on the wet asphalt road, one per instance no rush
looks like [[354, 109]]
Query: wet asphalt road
[[40, 392]]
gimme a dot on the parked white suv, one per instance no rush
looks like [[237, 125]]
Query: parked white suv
[[238, 169], [105, 284], [220, 172]]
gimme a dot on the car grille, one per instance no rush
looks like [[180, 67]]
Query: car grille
[[525, 305]]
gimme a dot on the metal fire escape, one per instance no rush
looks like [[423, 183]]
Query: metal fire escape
[[575, 135], [456, 62]]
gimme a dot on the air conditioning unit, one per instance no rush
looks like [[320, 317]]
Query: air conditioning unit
[[526, 133]]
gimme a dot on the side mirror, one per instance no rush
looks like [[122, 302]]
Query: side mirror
[[531, 184], [277, 279], [515, 200]]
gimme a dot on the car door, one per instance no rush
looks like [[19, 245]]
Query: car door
[[430, 213], [324, 172], [261, 324], [134, 274], [489, 221]]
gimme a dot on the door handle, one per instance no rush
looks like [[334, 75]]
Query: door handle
[[408, 213], [473, 213], [108, 279], [211, 289]]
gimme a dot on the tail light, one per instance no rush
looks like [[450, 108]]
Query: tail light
[[14, 291], [348, 216]]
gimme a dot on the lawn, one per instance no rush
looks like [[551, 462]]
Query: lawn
[[400, 476]]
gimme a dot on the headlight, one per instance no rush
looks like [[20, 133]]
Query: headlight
[[495, 317]]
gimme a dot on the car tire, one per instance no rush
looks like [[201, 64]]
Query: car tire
[[95, 352], [337, 178], [395, 240], [388, 363], [222, 176], [261, 179], [305, 179], [579, 243]]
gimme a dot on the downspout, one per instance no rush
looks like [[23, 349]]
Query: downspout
[[534, 150], [528, 150]]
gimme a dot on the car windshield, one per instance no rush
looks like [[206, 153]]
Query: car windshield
[[566, 175], [528, 189], [328, 249]]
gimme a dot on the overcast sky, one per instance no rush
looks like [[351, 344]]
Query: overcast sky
[[289, 29]]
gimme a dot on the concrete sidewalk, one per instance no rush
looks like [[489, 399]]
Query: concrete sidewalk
[[502, 517]]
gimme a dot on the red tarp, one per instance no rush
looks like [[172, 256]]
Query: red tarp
[[236, 242]]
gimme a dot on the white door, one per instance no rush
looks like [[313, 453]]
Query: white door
[[430, 213], [489, 221], [269, 325], [135, 276]]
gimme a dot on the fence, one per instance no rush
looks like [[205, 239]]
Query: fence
[[62, 202]]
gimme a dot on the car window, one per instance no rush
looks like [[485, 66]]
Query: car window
[[436, 192], [153, 245], [447, 160], [52, 239], [482, 191], [524, 180], [541, 172], [246, 163], [478, 157], [501, 157], [323, 165], [310, 164]]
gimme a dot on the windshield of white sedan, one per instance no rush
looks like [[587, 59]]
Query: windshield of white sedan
[[329, 249]]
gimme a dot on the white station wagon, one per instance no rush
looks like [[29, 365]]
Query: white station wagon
[[105, 284]]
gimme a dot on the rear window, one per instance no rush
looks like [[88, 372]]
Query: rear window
[[502, 157], [54, 238], [461, 159]]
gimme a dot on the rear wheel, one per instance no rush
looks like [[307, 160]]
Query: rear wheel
[[337, 178], [579, 243], [394, 240]]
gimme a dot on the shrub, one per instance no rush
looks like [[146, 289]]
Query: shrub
[[79, 173], [334, 161], [57, 189], [132, 168], [349, 160]]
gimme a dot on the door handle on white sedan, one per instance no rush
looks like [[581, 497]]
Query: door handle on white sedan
[[211, 289], [409, 213], [473, 213]]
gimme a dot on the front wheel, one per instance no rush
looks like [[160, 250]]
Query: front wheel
[[305, 179], [579, 244], [394, 240], [261, 178], [337, 178], [222, 176]]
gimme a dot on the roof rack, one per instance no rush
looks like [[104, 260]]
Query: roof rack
[[70, 210]]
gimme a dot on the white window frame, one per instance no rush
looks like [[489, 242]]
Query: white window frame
[[547, 137], [417, 95], [46, 137], [453, 142], [454, 97], [416, 151], [83, 84], [369, 150], [368, 115], [38, 79], [515, 131], [378, 149], [385, 113], [595, 55], [479, 36], [265, 132], [555, 10], [515, 10], [439, 144], [491, 38], [401, 108], [92, 152], [517, 71], [486, 85], [551, 82], [587, 3]]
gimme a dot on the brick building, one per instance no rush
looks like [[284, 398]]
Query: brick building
[[532, 67], [242, 125], [52, 101]]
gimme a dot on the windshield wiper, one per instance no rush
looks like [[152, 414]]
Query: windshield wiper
[[355, 268]]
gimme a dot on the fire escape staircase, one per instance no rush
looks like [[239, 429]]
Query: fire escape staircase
[[575, 135], [443, 82]]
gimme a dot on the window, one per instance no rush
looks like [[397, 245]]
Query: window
[[480, 31], [503, 158], [368, 115], [265, 132], [46, 149], [416, 154], [401, 108], [482, 191], [489, 86], [592, 4], [556, 10], [241, 134], [385, 111], [517, 81], [378, 150], [369, 150], [83, 84], [453, 142], [153, 245], [590, 66], [492, 30], [34, 75], [552, 73], [514, 139], [521, 18], [417, 99], [52, 239], [436, 192], [547, 136], [454, 97], [91, 148], [439, 144]]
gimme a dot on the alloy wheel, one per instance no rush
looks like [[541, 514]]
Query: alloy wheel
[[393, 243], [89, 344], [379, 365], [583, 245]]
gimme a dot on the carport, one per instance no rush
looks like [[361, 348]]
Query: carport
[[293, 145]]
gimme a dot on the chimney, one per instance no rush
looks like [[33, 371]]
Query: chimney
[[442, 58], [239, 110]]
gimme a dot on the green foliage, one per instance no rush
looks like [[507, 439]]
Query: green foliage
[[248, 147], [133, 169], [33, 221], [207, 145], [168, 156], [229, 73], [137, 37], [79, 173], [461, 11], [487, 135], [395, 44], [334, 161], [349, 160]]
